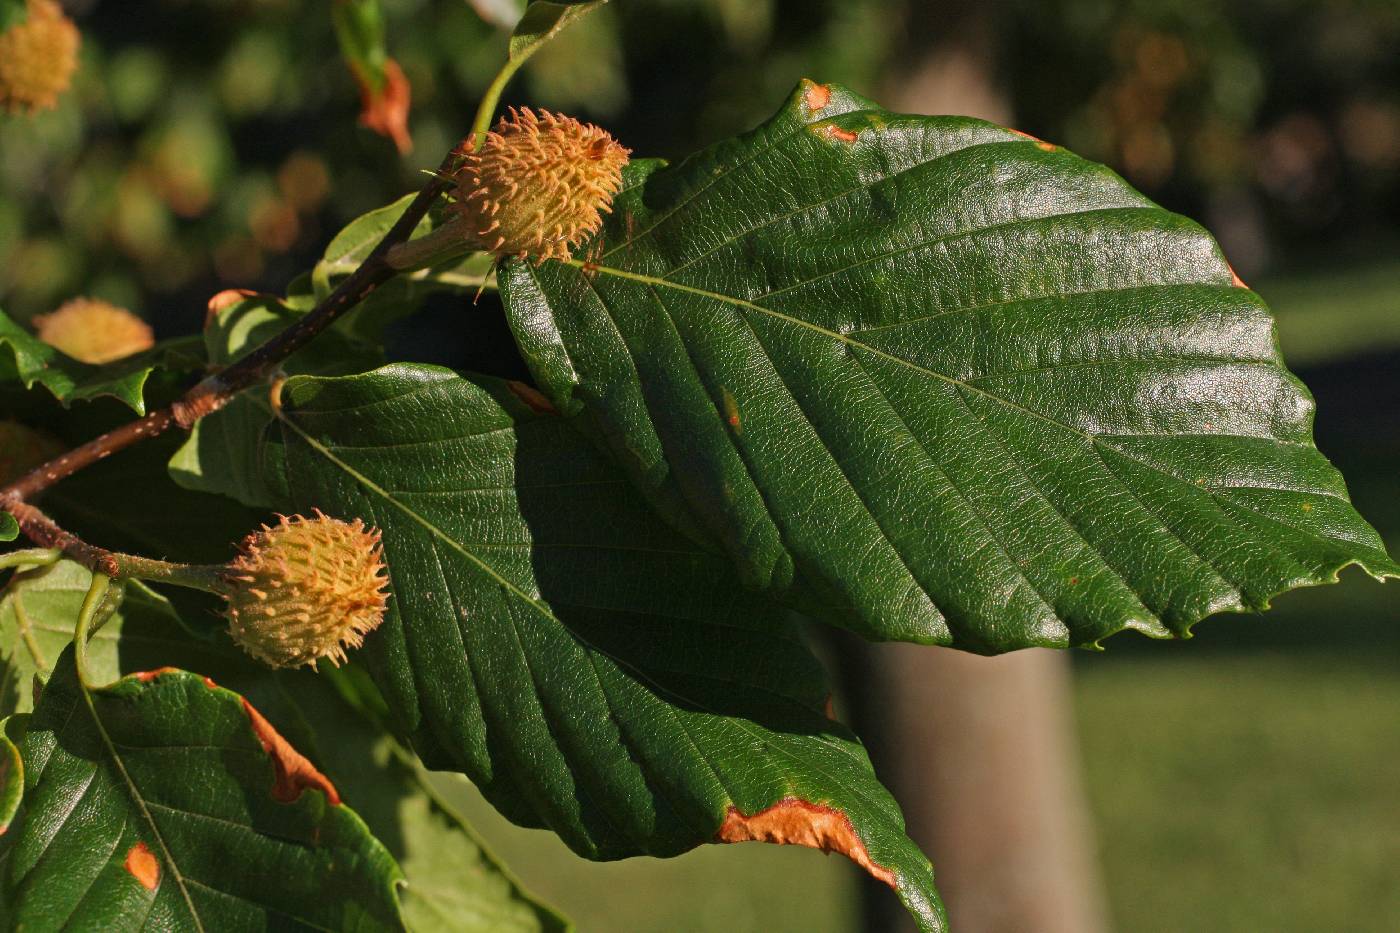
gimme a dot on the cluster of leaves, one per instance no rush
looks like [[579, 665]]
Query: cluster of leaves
[[924, 378]]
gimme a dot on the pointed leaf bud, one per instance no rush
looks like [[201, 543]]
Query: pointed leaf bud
[[306, 589], [536, 187], [37, 58], [93, 331]]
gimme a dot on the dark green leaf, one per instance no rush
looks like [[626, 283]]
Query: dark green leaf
[[140, 805], [404, 293], [958, 385], [359, 29], [26, 359], [590, 670], [453, 882]]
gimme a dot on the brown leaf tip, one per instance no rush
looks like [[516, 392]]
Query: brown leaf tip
[[385, 110], [793, 821], [295, 772], [142, 865]]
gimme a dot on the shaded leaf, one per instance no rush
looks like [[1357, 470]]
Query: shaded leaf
[[9, 528], [452, 881], [37, 613], [137, 805], [449, 873], [590, 670], [221, 455], [947, 382], [403, 294]]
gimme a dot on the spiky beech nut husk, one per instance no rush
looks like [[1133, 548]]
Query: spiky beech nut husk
[[305, 589], [539, 184], [94, 331], [38, 56], [23, 448]]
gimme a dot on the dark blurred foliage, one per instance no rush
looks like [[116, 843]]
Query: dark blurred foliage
[[1277, 122], [214, 143]]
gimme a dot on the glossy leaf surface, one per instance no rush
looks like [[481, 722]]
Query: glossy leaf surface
[[590, 670], [137, 807], [955, 384]]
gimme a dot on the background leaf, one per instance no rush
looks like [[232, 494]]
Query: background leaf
[[26, 359], [453, 882], [136, 807], [588, 669], [543, 20], [9, 528], [951, 383]]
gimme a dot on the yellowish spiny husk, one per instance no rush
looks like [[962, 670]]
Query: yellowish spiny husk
[[37, 58], [306, 589], [539, 184]]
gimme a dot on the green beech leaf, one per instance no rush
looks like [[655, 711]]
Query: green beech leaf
[[543, 20], [590, 670], [11, 771], [26, 359], [138, 806], [452, 881], [956, 384], [221, 455], [38, 609], [401, 295]]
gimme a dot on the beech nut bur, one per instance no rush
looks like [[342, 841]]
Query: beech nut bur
[[539, 184], [38, 56], [306, 589]]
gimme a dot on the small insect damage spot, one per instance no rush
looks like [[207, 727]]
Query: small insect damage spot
[[816, 97], [845, 136], [533, 398], [295, 773], [731, 412], [142, 864], [793, 821]]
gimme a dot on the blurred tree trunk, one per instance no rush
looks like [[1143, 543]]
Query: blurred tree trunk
[[980, 752]]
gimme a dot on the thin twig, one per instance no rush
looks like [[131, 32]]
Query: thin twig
[[217, 390]]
